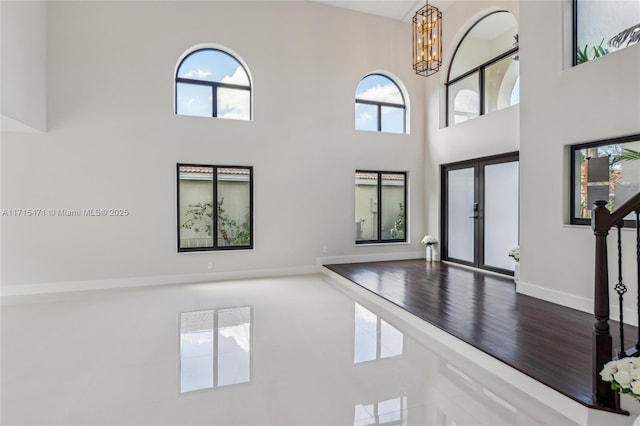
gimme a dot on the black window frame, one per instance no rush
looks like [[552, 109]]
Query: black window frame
[[574, 36], [215, 246], [573, 220], [380, 104], [213, 85], [480, 69], [380, 240]]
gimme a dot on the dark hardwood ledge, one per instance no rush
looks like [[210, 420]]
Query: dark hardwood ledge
[[548, 342]]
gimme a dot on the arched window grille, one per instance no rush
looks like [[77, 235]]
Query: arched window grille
[[212, 83]]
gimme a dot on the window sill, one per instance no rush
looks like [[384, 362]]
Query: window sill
[[395, 243]]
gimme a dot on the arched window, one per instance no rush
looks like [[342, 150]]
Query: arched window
[[484, 75], [213, 83], [380, 105]]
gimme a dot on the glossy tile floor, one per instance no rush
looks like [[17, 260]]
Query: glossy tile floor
[[279, 351]]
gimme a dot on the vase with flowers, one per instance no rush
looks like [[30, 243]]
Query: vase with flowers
[[624, 376], [430, 242], [515, 254]]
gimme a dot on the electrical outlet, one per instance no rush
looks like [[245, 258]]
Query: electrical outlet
[[210, 265], [325, 249]]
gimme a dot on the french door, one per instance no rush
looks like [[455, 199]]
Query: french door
[[480, 211]]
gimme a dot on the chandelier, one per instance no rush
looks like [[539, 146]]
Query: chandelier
[[427, 40]]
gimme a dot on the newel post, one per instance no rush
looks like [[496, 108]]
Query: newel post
[[602, 342]]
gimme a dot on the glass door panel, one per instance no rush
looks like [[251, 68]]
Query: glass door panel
[[461, 207], [501, 208], [481, 212], [392, 193], [366, 206]]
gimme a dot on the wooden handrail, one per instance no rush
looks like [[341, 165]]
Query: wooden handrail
[[629, 206]]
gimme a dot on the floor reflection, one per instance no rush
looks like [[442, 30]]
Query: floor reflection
[[374, 337], [388, 413], [215, 348]]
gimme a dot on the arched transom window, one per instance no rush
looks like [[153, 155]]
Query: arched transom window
[[380, 105], [484, 75], [213, 83]]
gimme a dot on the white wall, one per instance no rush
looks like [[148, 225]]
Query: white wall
[[114, 141], [23, 65]]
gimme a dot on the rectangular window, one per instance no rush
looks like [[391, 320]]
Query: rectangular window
[[381, 200], [605, 170], [227, 190], [601, 27]]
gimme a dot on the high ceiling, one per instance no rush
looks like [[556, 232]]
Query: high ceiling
[[402, 10]]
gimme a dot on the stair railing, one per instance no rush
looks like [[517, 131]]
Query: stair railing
[[601, 222]]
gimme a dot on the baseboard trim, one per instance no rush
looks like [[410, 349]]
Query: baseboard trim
[[357, 258], [554, 296], [132, 282], [575, 302]]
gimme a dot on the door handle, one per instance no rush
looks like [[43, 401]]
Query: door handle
[[475, 211]]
